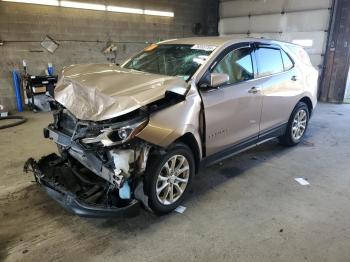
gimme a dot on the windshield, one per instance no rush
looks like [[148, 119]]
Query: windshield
[[171, 60]]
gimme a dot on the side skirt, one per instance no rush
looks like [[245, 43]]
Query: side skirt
[[243, 146], [272, 133]]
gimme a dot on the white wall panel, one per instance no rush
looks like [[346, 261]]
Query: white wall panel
[[267, 23], [301, 20], [255, 7], [234, 8], [307, 21], [302, 5], [316, 60], [265, 6], [238, 35], [234, 25], [276, 36]]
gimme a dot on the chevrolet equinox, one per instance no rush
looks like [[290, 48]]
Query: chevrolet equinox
[[136, 134]]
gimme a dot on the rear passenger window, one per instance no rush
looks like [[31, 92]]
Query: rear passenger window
[[287, 62], [269, 61]]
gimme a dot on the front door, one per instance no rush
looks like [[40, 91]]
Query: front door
[[232, 111]]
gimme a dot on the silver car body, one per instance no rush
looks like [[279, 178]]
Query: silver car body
[[232, 114], [110, 118]]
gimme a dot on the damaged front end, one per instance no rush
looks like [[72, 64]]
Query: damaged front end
[[99, 170], [107, 122], [78, 191]]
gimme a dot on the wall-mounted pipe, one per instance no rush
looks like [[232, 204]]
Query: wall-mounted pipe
[[17, 85]]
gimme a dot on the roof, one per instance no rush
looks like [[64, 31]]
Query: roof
[[207, 40], [216, 40]]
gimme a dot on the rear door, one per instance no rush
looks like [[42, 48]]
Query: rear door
[[280, 84], [232, 111]]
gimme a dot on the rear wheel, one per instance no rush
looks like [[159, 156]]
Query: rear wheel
[[297, 125], [168, 177]]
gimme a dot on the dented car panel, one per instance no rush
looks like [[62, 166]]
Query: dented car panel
[[98, 92], [169, 124]]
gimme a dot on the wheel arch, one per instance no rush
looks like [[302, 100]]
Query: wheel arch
[[189, 140], [308, 102]]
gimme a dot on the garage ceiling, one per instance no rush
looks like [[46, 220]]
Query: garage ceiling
[[304, 22]]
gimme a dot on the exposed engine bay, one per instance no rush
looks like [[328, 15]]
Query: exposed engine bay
[[79, 190], [107, 148]]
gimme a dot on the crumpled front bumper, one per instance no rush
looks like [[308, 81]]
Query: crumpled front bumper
[[85, 157], [72, 203]]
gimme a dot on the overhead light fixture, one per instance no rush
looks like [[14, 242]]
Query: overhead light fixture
[[36, 2], [120, 9], [98, 7], [158, 13], [83, 5]]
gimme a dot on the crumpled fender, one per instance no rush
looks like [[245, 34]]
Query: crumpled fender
[[168, 124]]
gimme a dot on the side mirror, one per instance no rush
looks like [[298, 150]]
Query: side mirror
[[217, 79]]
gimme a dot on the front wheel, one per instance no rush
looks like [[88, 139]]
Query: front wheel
[[168, 177], [297, 125]]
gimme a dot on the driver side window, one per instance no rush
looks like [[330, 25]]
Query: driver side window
[[237, 64]]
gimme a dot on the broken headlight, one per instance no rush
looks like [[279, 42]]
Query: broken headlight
[[116, 135]]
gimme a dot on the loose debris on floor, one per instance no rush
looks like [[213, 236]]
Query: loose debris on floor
[[180, 209], [302, 181]]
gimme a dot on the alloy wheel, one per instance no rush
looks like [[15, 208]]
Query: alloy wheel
[[172, 179], [299, 124]]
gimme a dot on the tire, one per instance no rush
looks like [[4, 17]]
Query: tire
[[159, 176], [291, 136]]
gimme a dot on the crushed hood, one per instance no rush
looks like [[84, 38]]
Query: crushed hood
[[102, 91]]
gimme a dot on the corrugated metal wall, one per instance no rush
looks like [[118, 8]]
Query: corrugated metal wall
[[286, 20]]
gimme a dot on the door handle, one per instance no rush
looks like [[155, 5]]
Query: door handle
[[294, 78], [253, 90]]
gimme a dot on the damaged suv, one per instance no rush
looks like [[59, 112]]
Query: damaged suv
[[138, 133]]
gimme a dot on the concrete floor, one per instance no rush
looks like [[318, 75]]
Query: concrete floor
[[248, 208]]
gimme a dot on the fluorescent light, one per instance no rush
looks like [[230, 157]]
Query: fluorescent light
[[36, 2], [303, 42], [138, 11], [83, 5], [158, 13], [120, 9], [99, 7]]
